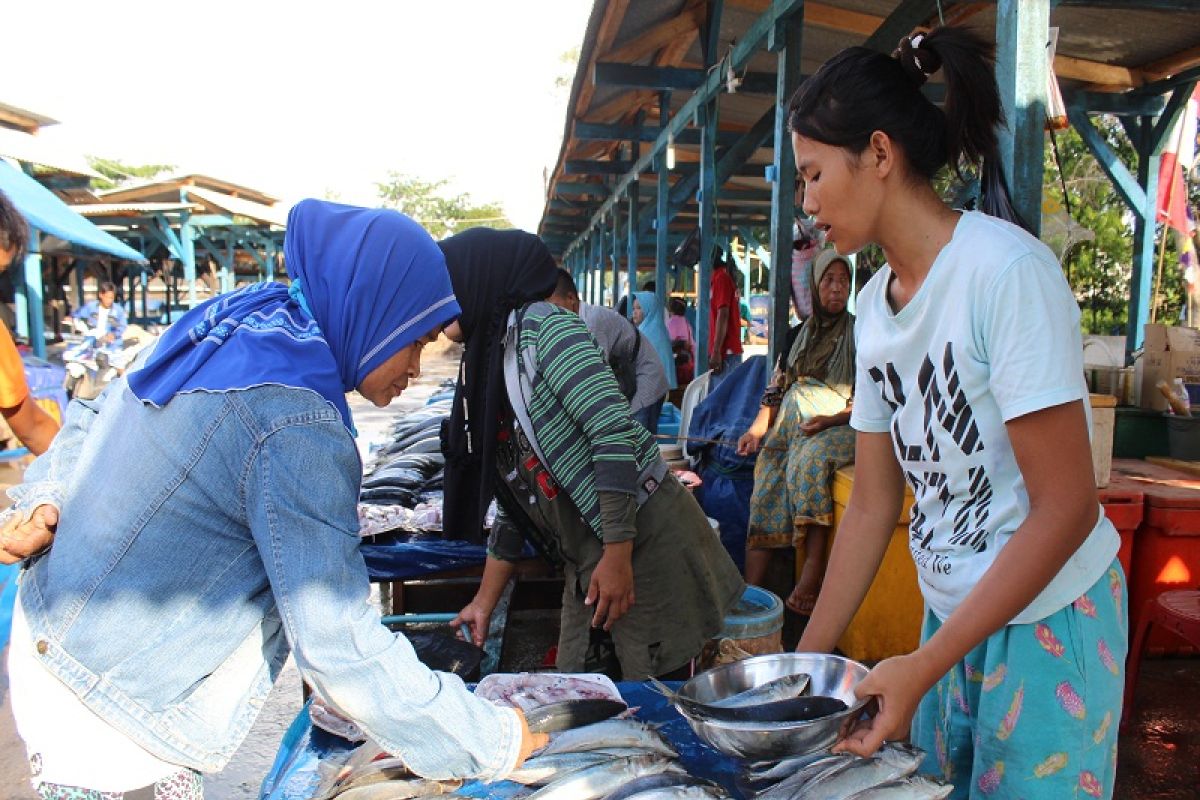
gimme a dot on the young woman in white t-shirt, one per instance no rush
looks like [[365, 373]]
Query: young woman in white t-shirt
[[970, 389]]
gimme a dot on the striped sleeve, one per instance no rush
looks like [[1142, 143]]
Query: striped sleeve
[[573, 370]]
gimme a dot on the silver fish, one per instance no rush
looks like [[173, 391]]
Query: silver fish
[[572, 714], [399, 790], [893, 762], [595, 782], [784, 688], [817, 769], [682, 793], [914, 787], [609, 734], [776, 771], [661, 780], [544, 769]]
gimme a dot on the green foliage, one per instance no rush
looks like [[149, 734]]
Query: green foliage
[[117, 173], [568, 61], [439, 213]]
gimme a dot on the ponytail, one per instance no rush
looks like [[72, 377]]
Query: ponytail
[[860, 91]]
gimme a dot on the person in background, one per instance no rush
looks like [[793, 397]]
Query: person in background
[[652, 324], [803, 425], [132, 670], [683, 342], [103, 320], [970, 388], [632, 358], [29, 422], [724, 324], [540, 425]]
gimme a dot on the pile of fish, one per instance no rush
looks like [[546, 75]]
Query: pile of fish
[[402, 486], [888, 775]]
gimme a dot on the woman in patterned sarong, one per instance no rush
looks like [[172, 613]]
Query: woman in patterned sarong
[[804, 435]]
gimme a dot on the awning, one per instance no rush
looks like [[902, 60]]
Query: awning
[[44, 211]]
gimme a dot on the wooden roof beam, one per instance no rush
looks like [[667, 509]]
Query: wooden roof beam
[[657, 37], [1171, 65]]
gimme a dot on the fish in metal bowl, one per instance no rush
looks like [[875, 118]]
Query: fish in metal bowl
[[773, 725]]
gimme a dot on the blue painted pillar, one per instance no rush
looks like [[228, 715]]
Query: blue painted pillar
[[631, 240], [187, 242], [79, 270], [708, 219], [1141, 282], [33, 296], [144, 280], [662, 218], [20, 298], [615, 253], [1022, 32], [787, 43]]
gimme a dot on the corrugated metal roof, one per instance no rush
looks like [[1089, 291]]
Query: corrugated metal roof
[[22, 118], [160, 187], [240, 207], [30, 149]]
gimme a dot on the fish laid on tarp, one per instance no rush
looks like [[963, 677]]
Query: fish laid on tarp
[[648, 785], [383, 779], [595, 782], [893, 762], [572, 714], [682, 793], [772, 772], [544, 769], [609, 734], [914, 787], [399, 790], [789, 787]]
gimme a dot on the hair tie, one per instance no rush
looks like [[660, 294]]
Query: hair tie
[[918, 61]]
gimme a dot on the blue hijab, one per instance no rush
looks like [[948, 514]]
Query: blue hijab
[[365, 283], [654, 328]]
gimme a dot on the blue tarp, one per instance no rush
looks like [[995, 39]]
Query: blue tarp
[[728, 478], [44, 211], [294, 774]]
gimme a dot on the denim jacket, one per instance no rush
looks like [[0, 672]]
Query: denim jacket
[[199, 540]]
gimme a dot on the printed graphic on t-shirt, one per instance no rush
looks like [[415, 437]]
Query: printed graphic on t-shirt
[[944, 408]]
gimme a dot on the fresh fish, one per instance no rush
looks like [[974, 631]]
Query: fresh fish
[[784, 688], [649, 784], [399, 790], [609, 734], [743, 707], [595, 782], [893, 762], [711, 792], [572, 714], [788, 787], [914, 787], [544, 769], [769, 772]]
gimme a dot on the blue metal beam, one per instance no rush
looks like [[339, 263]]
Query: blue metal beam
[[907, 15], [1122, 179], [584, 167], [783, 187], [33, 295], [741, 53], [580, 189], [662, 219], [630, 76], [1022, 30], [596, 131], [1119, 103]]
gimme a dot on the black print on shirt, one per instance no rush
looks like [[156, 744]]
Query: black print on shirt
[[945, 407]]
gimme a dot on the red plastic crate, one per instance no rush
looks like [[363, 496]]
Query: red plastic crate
[[1125, 506], [1166, 547]]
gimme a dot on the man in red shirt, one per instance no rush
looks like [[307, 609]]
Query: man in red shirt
[[724, 323]]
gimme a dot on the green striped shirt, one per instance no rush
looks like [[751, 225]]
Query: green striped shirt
[[581, 420]]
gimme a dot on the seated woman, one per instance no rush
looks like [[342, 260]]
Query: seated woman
[[539, 424], [803, 430]]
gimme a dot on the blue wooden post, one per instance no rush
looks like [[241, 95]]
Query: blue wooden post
[[1022, 32], [20, 298], [786, 41], [33, 295], [1141, 282], [144, 280], [79, 270], [662, 218], [708, 213], [615, 253], [187, 236], [631, 242]]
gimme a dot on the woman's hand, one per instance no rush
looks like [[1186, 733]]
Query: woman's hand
[[530, 742], [815, 425], [478, 617], [750, 442], [611, 586], [898, 684], [21, 538]]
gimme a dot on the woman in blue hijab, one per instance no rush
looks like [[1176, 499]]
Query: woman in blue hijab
[[653, 324], [146, 639]]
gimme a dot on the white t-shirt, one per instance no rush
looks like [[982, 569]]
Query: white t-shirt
[[75, 747], [991, 335], [101, 323]]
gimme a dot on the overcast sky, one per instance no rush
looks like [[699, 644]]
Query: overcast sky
[[300, 102]]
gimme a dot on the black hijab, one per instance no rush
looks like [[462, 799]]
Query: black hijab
[[492, 273]]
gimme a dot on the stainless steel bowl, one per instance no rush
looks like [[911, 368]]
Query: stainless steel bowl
[[832, 676]]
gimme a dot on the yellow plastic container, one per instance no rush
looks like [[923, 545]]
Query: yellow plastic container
[[888, 623]]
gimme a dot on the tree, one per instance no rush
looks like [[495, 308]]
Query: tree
[[116, 173], [438, 212]]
